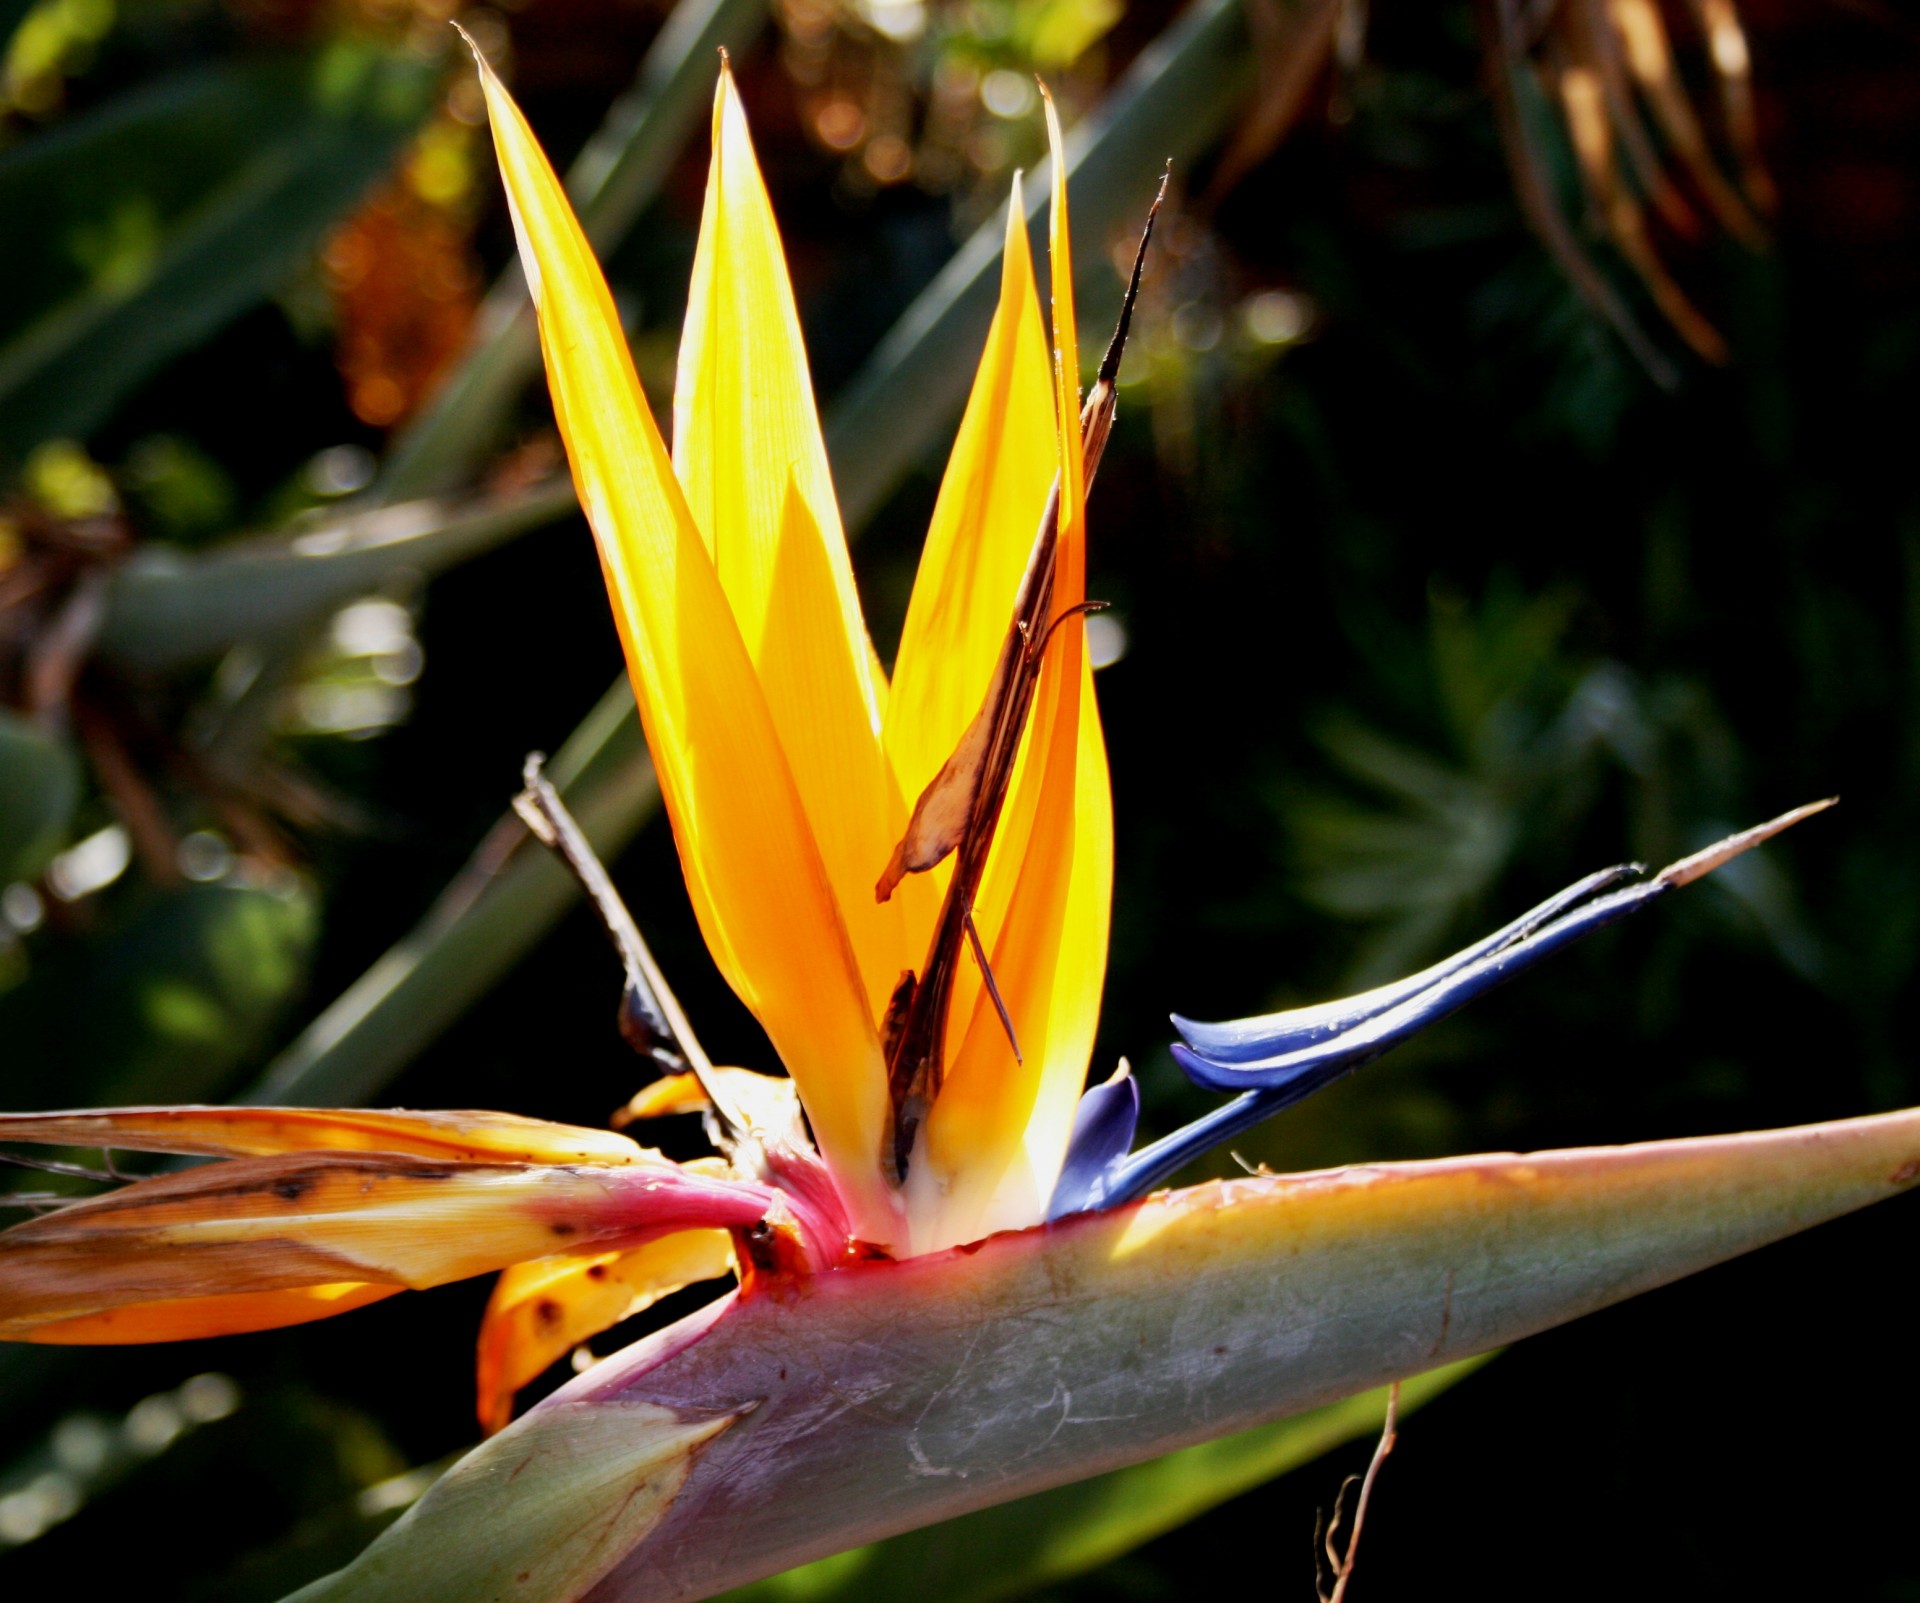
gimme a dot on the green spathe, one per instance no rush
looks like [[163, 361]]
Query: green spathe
[[891, 1396], [579, 1487], [1052, 1536]]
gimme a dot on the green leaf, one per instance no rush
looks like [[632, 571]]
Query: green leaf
[[170, 609], [159, 217], [885, 1397], [12, 14], [39, 786], [166, 1006], [1042, 1540], [509, 895]]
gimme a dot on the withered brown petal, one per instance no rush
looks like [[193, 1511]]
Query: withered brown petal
[[218, 1132], [285, 1221]]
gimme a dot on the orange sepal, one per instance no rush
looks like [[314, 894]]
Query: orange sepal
[[288, 1222], [762, 893], [189, 1318], [999, 1130], [216, 1132], [664, 1097], [541, 1311], [766, 1102]]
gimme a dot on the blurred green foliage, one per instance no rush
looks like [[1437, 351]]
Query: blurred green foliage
[[1429, 600], [169, 1001], [160, 216], [39, 787]]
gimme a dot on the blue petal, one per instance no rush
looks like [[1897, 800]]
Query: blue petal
[[1277, 1060], [1160, 1161], [1103, 1126], [1267, 1085], [1387, 1028], [1247, 1040]]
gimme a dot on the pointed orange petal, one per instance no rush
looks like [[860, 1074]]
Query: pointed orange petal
[[744, 423], [664, 1097], [1070, 587], [541, 1311], [992, 497], [763, 1102], [759, 888], [318, 1219], [999, 1130], [991, 501], [749, 454], [237, 1132], [853, 805]]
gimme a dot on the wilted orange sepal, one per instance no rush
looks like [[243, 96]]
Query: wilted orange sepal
[[293, 1222], [242, 1132], [541, 1311], [188, 1319]]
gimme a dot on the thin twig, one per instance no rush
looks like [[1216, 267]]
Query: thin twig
[[55, 659], [131, 792], [650, 1016], [37, 1201], [1338, 1560], [77, 1171], [992, 985], [651, 1019]]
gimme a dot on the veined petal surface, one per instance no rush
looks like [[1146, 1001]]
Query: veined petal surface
[[749, 455], [759, 888]]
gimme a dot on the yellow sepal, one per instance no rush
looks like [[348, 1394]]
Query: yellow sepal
[[760, 889]]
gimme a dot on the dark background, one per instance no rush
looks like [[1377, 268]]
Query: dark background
[[1430, 611]]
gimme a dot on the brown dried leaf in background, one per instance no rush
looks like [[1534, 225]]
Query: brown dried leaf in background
[[1733, 80], [404, 283], [1292, 45], [1583, 102], [1646, 162], [1508, 62], [1649, 55], [1605, 52]]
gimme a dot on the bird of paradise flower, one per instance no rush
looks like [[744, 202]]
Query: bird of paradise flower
[[936, 1026]]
